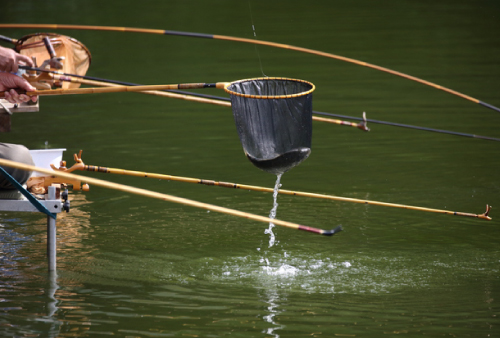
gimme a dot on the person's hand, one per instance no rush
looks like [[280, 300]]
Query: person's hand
[[8, 83], [9, 60]]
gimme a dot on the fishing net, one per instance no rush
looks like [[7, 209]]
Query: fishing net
[[77, 57], [273, 118]]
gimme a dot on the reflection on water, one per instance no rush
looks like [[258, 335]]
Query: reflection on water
[[271, 296], [51, 318], [25, 286], [11, 242], [51, 291]]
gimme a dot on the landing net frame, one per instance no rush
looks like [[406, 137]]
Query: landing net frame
[[273, 117]]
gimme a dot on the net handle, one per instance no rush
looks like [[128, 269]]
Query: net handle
[[118, 89], [313, 87], [218, 85]]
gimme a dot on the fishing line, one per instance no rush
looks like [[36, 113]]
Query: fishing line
[[255, 37]]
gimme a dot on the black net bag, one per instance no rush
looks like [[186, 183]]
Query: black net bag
[[273, 118]]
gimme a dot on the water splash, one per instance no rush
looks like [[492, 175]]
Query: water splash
[[272, 214]]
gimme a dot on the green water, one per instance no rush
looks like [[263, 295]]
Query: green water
[[129, 266]]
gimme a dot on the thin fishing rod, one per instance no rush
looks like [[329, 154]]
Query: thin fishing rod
[[255, 42], [224, 101], [92, 78], [442, 131], [79, 165], [168, 198], [7, 39]]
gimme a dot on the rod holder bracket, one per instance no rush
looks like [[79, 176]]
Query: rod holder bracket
[[488, 208], [363, 125]]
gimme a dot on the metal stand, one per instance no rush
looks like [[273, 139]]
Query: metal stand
[[54, 206], [51, 234]]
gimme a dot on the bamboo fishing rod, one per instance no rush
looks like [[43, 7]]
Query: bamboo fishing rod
[[168, 94], [79, 165], [95, 81], [141, 88], [120, 89], [168, 198], [255, 42]]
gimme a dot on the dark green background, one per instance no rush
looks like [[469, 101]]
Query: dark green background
[[131, 266]]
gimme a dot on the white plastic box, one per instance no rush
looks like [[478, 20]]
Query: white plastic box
[[43, 158]]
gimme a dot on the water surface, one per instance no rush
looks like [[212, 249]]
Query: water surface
[[129, 266]]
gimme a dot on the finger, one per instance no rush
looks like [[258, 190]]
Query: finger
[[14, 67], [34, 98], [23, 84], [8, 68], [8, 97], [14, 96], [25, 59], [24, 98]]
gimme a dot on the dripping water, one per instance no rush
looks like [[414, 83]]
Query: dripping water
[[272, 214]]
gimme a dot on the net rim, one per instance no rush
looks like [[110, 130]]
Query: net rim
[[307, 92], [20, 42]]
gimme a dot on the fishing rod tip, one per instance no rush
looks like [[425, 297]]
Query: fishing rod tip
[[332, 232]]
